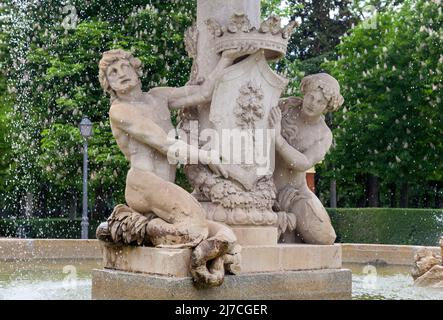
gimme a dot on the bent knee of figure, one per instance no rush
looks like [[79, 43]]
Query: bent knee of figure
[[324, 234], [313, 222], [138, 190], [315, 231], [162, 233], [135, 200], [147, 192]]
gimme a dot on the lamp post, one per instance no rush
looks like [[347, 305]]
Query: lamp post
[[86, 131]]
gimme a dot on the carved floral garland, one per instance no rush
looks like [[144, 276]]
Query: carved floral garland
[[249, 105]]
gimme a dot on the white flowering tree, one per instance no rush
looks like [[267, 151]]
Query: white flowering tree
[[389, 130], [52, 71]]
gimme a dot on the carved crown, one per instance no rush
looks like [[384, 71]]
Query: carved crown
[[239, 32]]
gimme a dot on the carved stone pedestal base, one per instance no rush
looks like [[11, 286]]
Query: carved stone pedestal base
[[175, 262], [255, 236], [296, 271], [316, 284], [166, 262]]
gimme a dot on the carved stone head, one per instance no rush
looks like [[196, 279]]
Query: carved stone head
[[119, 72], [321, 94]]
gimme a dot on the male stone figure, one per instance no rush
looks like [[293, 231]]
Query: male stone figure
[[302, 139], [159, 211]]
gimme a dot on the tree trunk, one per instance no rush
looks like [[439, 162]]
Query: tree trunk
[[404, 198], [73, 206], [415, 202], [100, 205], [333, 184], [362, 200], [393, 195], [333, 194], [427, 195], [372, 191], [438, 196], [29, 204]]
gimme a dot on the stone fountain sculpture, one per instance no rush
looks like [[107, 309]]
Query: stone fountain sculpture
[[233, 130], [428, 268], [302, 140], [158, 212]]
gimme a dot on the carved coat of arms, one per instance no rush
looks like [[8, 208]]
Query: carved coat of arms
[[248, 90]]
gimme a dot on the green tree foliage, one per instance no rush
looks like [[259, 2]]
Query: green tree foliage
[[5, 103], [391, 124], [52, 72], [322, 23], [281, 8], [57, 83]]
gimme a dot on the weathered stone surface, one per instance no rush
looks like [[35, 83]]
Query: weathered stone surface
[[432, 279], [222, 11], [241, 101], [157, 211], [302, 140], [290, 257], [175, 262], [303, 257], [381, 253], [424, 260], [428, 268], [254, 236], [168, 262], [319, 284]]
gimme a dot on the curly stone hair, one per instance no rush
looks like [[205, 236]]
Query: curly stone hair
[[329, 87], [108, 58]]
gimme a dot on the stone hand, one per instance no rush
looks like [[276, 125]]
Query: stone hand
[[218, 169], [275, 121], [241, 51], [286, 196]]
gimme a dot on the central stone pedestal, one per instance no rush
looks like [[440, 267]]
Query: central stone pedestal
[[268, 271], [270, 258], [316, 284]]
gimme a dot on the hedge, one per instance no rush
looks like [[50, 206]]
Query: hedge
[[388, 225], [353, 225], [51, 228]]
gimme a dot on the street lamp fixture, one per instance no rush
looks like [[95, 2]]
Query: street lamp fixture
[[86, 132], [86, 128]]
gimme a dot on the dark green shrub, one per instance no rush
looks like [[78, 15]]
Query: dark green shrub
[[388, 225], [51, 228]]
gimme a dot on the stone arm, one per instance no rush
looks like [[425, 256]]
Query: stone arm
[[303, 161], [194, 94], [133, 122]]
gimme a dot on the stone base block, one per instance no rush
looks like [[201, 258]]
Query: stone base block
[[290, 257], [315, 284], [167, 262], [256, 236], [381, 253], [175, 262]]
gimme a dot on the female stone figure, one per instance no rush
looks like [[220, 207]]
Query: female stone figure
[[302, 139]]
